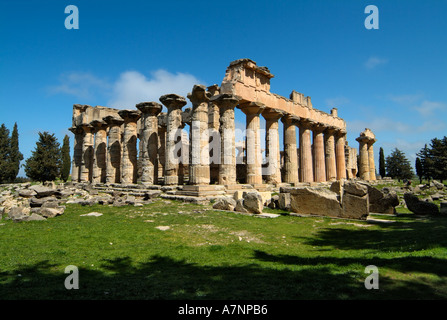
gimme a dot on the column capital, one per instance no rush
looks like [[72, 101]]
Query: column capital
[[214, 90], [252, 108], [76, 129], [151, 108], [173, 101], [98, 124], [307, 123], [340, 132], [319, 127], [87, 127], [272, 114], [129, 115], [113, 121], [199, 95], [330, 130], [290, 119], [225, 100]]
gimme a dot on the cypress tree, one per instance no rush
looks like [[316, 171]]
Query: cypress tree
[[5, 150], [382, 169], [45, 161], [66, 160], [15, 155]]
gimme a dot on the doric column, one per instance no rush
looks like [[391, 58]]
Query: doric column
[[372, 166], [367, 169], [340, 137], [213, 127], [113, 158], [77, 152], [227, 167], [364, 158], [252, 111], [87, 154], [129, 168], [290, 149], [331, 167], [319, 157], [272, 152], [174, 104], [199, 168], [306, 163], [162, 123], [148, 173], [99, 151]]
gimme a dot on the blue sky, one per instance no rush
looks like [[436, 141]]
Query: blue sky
[[392, 80]]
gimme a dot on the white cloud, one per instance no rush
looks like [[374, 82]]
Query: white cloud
[[373, 62], [336, 102], [405, 99], [428, 108], [133, 87], [82, 85], [130, 88]]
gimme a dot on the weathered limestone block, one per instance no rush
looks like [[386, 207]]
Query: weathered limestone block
[[226, 203], [417, 206], [284, 201], [382, 201], [318, 201], [355, 206], [253, 202]]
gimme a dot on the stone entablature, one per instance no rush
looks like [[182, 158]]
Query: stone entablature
[[149, 146]]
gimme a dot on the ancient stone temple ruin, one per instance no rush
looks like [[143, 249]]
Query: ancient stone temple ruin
[[147, 146]]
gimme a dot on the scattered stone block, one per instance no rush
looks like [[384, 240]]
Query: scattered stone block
[[226, 203], [317, 201], [417, 206]]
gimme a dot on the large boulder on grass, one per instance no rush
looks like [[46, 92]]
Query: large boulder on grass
[[226, 203], [418, 206]]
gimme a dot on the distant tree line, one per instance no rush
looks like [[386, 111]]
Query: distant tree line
[[48, 161], [431, 161]]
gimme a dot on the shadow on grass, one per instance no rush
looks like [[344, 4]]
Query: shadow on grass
[[166, 278], [408, 236]]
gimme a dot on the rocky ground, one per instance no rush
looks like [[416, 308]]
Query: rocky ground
[[28, 202]]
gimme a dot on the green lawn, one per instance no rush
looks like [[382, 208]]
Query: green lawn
[[207, 254]]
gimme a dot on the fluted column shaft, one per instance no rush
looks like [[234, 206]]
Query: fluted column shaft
[[77, 152], [213, 126], [372, 166], [129, 168], [272, 150], [364, 160], [113, 158], [290, 150], [306, 163], [199, 168], [174, 104], [99, 151], [319, 156], [331, 167], [148, 172], [227, 166], [253, 142], [87, 154], [340, 154]]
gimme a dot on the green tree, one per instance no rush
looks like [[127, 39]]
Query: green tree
[[15, 155], [5, 150], [45, 161], [427, 162], [398, 166], [66, 160], [438, 154], [419, 169], [382, 170]]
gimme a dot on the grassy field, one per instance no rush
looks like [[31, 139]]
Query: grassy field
[[130, 253]]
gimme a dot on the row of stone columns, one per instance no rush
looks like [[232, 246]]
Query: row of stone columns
[[116, 160]]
